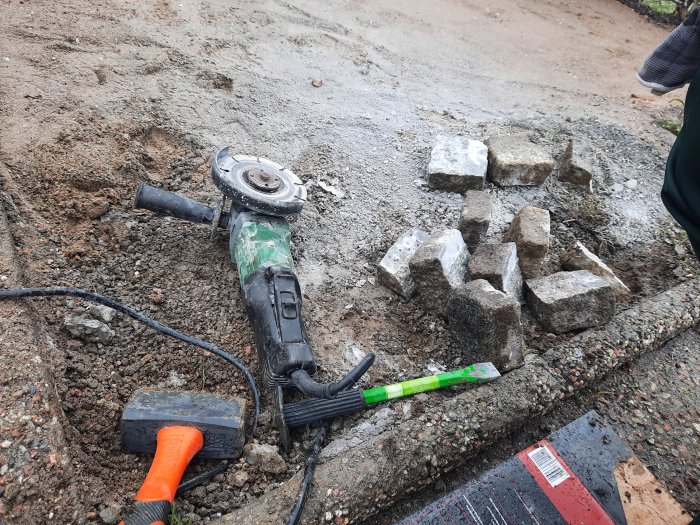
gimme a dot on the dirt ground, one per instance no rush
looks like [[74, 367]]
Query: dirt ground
[[98, 97]]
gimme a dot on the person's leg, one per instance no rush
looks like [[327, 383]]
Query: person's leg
[[695, 243], [681, 189]]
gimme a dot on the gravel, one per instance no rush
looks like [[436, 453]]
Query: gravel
[[147, 93]]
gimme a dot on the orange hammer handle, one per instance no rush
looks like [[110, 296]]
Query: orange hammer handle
[[176, 448]]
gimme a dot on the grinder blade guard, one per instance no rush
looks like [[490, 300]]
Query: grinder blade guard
[[258, 184], [262, 194]]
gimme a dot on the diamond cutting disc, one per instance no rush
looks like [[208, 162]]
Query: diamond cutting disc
[[258, 184]]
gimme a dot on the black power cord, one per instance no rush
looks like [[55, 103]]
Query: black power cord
[[203, 477], [314, 451], [309, 469], [304, 383], [18, 293], [307, 385]]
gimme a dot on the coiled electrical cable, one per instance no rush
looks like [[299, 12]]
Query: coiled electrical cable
[[18, 293]]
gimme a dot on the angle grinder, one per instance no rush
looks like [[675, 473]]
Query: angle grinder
[[257, 196]]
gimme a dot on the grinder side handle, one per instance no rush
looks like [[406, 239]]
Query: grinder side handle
[[176, 447], [168, 203]]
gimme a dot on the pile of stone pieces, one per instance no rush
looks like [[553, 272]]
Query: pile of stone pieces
[[480, 288], [459, 164]]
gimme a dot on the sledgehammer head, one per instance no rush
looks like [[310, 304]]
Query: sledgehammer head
[[219, 419]]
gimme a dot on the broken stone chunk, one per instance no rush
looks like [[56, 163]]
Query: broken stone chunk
[[240, 478], [91, 330], [266, 456], [498, 264], [457, 164], [486, 323], [475, 217], [567, 301], [110, 514], [439, 266], [514, 160], [580, 258], [530, 232], [575, 168], [101, 312], [393, 271]]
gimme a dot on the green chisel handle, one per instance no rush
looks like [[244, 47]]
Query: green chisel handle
[[478, 373]]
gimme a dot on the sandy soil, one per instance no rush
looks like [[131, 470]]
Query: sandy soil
[[99, 96]]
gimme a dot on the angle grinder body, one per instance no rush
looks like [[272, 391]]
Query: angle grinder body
[[261, 194], [260, 247]]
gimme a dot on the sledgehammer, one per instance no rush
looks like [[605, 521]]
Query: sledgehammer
[[177, 426]]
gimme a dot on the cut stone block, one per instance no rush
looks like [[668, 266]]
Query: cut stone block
[[567, 301], [438, 266], [393, 271], [576, 168], [498, 264], [530, 232], [457, 164], [580, 258], [514, 160], [486, 323], [475, 217]]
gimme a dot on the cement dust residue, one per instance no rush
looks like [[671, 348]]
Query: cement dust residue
[[98, 100]]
